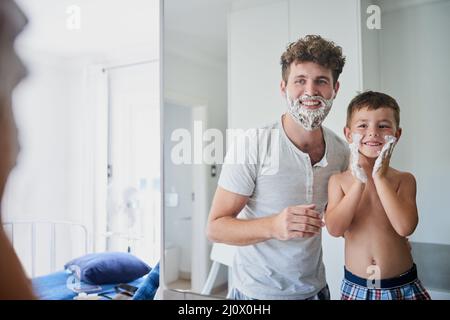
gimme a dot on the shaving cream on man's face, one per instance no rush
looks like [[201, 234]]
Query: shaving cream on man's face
[[306, 111]]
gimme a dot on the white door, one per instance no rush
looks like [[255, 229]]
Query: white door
[[134, 161]]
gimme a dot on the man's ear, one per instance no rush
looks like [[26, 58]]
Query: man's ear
[[348, 134], [283, 88], [336, 88]]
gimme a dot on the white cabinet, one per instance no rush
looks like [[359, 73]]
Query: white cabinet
[[259, 35], [316, 17], [257, 38]]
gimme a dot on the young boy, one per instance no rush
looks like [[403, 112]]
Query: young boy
[[373, 206]]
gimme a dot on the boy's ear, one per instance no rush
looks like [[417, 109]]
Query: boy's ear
[[398, 133], [283, 88], [348, 134]]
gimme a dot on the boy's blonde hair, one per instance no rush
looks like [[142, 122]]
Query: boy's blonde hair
[[372, 101]]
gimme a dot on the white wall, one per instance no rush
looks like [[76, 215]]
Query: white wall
[[44, 110], [415, 65], [259, 32], [46, 181], [370, 50], [178, 180], [193, 82], [189, 81], [272, 25], [257, 37], [339, 22], [408, 59], [105, 25]]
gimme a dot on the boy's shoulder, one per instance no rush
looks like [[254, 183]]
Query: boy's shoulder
[[342, 177], [402, 176]]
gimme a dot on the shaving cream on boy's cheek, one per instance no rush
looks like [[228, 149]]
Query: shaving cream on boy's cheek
[[385, 152], [357, 171], [309, 119]]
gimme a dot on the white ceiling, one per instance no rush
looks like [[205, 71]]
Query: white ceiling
[[196, 28], [106, 25]]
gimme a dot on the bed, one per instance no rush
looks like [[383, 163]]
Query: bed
[[56, 284], [54, 287]]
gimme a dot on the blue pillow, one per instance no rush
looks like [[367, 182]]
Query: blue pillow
[[108, 267]]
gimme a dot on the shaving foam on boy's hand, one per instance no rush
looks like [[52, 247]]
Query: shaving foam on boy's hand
[[356, 169], [382, 162]]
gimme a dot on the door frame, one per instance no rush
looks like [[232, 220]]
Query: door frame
[[200, 264]]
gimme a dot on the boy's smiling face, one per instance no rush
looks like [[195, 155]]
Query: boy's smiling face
[[373, 126]]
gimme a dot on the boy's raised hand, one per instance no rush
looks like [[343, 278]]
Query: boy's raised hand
[[357, 171], [382, 162]]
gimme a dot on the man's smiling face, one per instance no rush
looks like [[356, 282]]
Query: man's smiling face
[[309, 92], [309, 79]]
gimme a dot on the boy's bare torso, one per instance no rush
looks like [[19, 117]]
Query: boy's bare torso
[[371, 240]]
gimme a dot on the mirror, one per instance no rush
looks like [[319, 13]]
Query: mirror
[[221, 71], [88, 121], [195, 99]]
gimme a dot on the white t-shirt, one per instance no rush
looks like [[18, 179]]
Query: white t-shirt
[[276, 175]]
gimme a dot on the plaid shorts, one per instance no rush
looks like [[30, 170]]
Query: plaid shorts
[[404, 287]]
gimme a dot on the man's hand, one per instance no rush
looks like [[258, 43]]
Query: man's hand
[[382, 163], [297, 222], [357, 171]]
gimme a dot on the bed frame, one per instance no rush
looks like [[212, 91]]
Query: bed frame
[[10, 228]]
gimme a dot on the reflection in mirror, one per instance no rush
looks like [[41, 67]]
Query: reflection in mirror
[[88, 175], [222, 71], [195, 99]]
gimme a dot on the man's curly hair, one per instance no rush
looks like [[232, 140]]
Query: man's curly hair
[[313, 48]]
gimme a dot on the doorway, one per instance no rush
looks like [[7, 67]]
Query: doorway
[[133, 160], [186, 198]]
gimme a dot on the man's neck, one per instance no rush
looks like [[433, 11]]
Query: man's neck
[[303, 139]]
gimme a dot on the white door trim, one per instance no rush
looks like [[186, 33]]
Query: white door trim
[[200, 248]]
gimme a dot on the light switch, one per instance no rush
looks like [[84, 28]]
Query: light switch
[[171, 199]]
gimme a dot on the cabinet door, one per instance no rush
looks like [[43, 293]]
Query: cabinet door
[[257, 38]]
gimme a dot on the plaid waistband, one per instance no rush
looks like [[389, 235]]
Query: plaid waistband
[[403, 279]]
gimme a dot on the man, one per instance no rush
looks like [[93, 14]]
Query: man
[[278, 231], [13, 282]]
